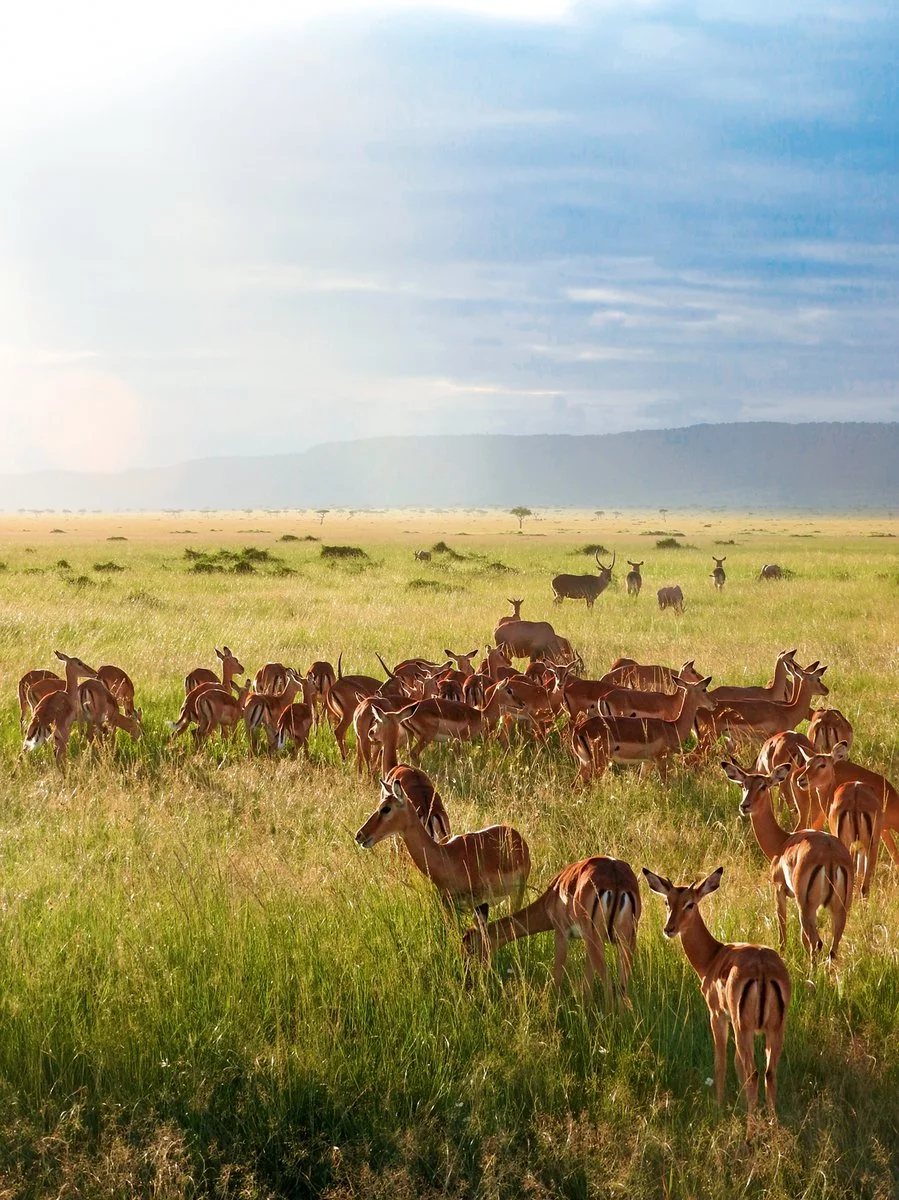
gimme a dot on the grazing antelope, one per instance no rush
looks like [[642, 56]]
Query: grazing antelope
[[57, 710], [218, 709], [262, 710], [746, 987], [75, 669], [582, 587], [780, 688], [813, 867], [853, 810], [827, 727], [598, 741], [100, 712], [516, 613], [295, 725], [633, 579], [365, 728], [671, 597], [626, 672], [119, 684], [230, 668], [422, 555], [718, 574], [24, 689], [475, 869], [444, 720], [597, 899], [771, 571]]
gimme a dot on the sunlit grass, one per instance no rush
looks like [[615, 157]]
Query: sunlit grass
[[207, 988]]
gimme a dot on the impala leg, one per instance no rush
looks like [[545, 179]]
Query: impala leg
[[626, 945], [839, 911], [720, 1030], [560, 957], [887, 836], [871, 856], [781, 897], [517, 898], [596, 964], [774, 1041], [747, 1073], [808, 922]]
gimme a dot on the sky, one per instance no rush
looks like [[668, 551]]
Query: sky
[[231, 228]]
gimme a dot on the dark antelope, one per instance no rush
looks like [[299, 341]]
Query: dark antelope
[[583, 587], [718, 573], [634, 579]]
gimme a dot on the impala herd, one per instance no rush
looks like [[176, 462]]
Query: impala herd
[[633, 714]]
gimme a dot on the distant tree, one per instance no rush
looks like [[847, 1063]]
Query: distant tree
[[663, 512], [321, 514], [599, 512], [520, 512]]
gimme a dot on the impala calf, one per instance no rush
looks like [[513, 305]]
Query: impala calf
[[746, 987], [597, 899]]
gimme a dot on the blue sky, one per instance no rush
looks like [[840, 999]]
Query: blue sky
[[256, 235]]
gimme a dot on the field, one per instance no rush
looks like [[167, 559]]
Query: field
[[206, 988]]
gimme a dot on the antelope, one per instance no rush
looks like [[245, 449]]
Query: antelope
[[583, 587], [771, 571], [321, 675], [671, 597], [746, 987], [271, 679], [827, 727], [262, 710], [58, 710], [119, 684], [536, 705], [230, 668], [779, 689], [597, 899], [516, 613], [598, 741], [463, 661], [813, 867], [218, 709], [422, 555], [295, 724], [343, 695], [414, 783], [787, 747], [633, 579], [443, 720], [580, 695], [474, 869], [764, 718], [626, 672], [532, 639], [853, 809], [364, 727], [718, 574], [37, 689], [496, 665], [24, 689], [628, 702], [100, 710]]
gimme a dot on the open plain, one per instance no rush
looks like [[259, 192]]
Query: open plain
[[207, 988]]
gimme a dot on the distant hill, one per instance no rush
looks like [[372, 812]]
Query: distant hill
[[757, 465]]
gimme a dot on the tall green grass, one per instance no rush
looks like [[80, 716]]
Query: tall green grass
[[206, 988]]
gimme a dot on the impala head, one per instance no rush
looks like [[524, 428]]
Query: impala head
[[225, 655], [463, 661], [699, 689], [76, 664], [689, 674], [135, 725], [474, 943], [604, 572], [818, 771], [756, 788], [392, 815], [683, 902], [812, 673]]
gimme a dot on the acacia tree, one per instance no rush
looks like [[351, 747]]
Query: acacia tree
[[321, 513], [520, 512]]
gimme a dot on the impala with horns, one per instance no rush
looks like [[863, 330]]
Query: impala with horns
[[746, 987], [583, 587], [475, 869], [633, 579], [596, 900], [718, 574], [532, 639]]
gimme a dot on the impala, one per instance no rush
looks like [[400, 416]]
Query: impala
[[671, 597], [230, 668], [827, 727], [583, 587], [263, 710], [597, 899], [598, 741], [443, 720], [24, 689], [718, 574], [75, 669], [763, 718], [477, 869], [343, 696], [100, 711], [365, 727], [119, 684], [780, 688], [629, 702], [321, 675], [271, 679], [626, 672], [633, 579], [58, 710], [814, 867], [414, 783], [746, 987], [295, 725], [786, 747], [218, 709]]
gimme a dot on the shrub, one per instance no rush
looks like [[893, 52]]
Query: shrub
[[117, 537], [670, 543], [289, 537], [443, 548], [593, 548], [110, 567], [342, 552], [63, 564], [432, 585]]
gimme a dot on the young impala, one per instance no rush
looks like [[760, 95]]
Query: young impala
[[746, 987], [475, 869], [101, 715], [813, 867], [597, 899]]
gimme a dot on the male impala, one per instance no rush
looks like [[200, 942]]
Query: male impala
[[718, 574], [598, 741], [746, 987], [582, 587], [597, 899], [633, 579], [814, 867], [476, 869]]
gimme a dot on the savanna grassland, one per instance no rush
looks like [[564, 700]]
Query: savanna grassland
[[206, 988]]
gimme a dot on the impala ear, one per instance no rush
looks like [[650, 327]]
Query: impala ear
[[704, 683], [712, 883], [779, 774], [841, 752], [733, 770], [813, 666], [657, 883], [398, 794]]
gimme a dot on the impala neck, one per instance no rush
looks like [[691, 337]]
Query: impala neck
[[491, 711], [229, 670], [527, 921], [700, 946], [781, 678], [287, 696], [687, 717], [73, 674], [801, 699], [428, 855], [770, 836], [390, 732]]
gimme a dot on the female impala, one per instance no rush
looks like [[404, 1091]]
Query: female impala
[[295, 725], [271, 679], [343, 696], [781, 687], [627, 672], [598, 741], [320, 675], [100, 712], [414, 783], [75, 669], [218, 709], [754, 719], [119, 684], [262, 711], [597, 899], [827, 727], [230, 668], [745, 986], [475, 869], [24, 689], [811, 866], [445, 720]]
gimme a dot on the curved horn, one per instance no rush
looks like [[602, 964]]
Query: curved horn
[[339, 665], [390, 674]]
